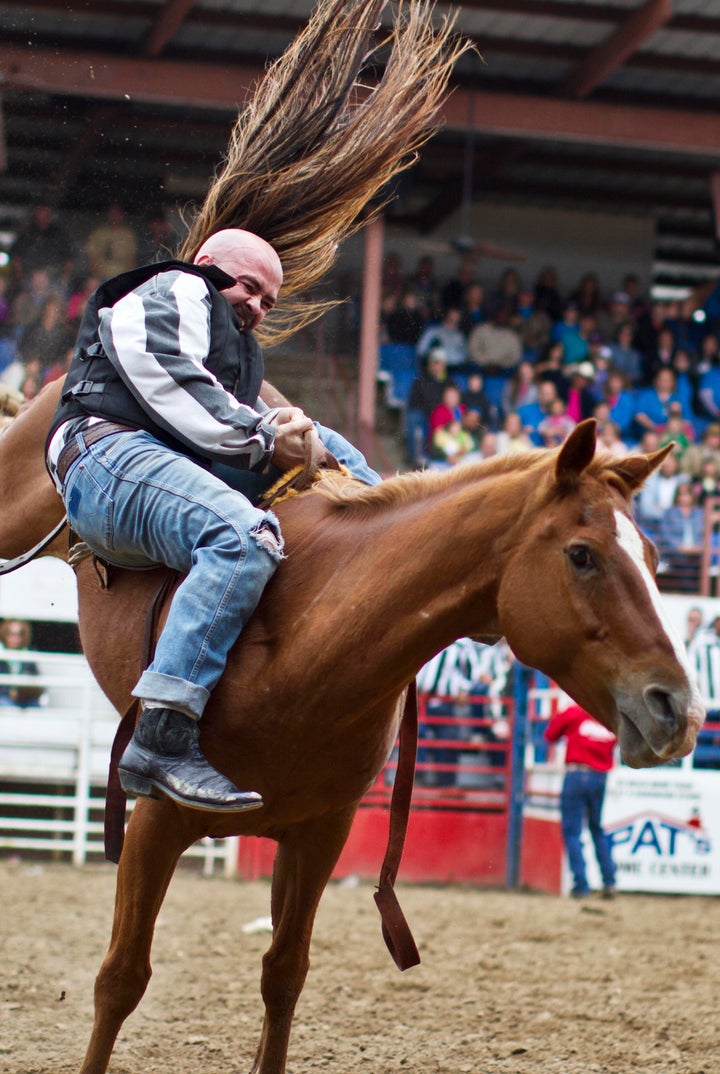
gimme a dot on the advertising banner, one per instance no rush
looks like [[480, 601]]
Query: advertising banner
[[664, 824]]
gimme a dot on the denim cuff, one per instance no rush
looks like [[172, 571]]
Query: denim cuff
[[173, 692]]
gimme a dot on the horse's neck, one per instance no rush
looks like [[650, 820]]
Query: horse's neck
[[424, 574]]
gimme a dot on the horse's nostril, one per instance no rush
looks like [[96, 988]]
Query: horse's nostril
[[663, 706]]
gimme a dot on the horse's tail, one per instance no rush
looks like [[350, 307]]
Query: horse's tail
[[315, 145]]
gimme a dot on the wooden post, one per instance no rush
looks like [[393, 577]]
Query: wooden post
[[370, 332]]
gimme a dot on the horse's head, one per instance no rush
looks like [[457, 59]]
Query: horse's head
[[578, 600]]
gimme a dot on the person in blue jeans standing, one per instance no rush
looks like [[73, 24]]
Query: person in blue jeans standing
[[589, 756], [156, 448]]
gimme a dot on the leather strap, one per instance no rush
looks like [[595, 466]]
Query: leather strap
[[395, 929], [91, 435], [115, 797], [25, 557]]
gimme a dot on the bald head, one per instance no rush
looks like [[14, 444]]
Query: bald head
[[253, 264]]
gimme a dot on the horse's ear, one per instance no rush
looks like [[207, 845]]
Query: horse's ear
[[577, 452], [636, 469]]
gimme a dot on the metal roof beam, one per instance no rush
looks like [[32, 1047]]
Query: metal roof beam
[[615, 49], [100, 75], [172, 15], [225, 87], [590, 122]]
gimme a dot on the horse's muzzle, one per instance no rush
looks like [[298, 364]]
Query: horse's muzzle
[[662, 727]]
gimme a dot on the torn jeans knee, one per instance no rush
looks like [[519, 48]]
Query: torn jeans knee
[[268, 536]]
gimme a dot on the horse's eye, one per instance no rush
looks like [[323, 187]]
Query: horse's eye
[[580, 557]]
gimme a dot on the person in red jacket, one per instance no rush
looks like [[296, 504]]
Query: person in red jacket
[[588, 759]]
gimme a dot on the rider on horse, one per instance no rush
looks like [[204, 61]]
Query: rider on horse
[[163, 387]]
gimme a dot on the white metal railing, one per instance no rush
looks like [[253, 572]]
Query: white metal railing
[[54, 760]]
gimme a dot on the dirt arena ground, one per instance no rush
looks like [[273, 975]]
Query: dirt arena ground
[[511, 983]]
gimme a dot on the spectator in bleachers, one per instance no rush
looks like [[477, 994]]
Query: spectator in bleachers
[[111, 247], [452, 295], [506, 296], [532, 414], [15, 634], [392, 282], [520, 389], [475, 399], [404, 322], [47, 339], [425, 284], [620, 400], [609, 439], [587, 296], [652, 405], [494, 346], [709, 382], [557, 425], [709, 351], [550, 366], [7, 340], [657, 495], [451, 443], [426, 393], [678, 430], [660, 356], [686, 386], [42, 244], [623, 355], [447, 335], [707, 485], [489, 445], [639, 303], [157, 242], [582, 396], [572, 334], [512, 438], [682, 526], [450, 408], [473, 307], [546, 294], [533, 326], [707, 447], [29, 302], [78, 300]]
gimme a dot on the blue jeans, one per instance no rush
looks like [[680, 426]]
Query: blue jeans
[[581, 800], [137, 503]]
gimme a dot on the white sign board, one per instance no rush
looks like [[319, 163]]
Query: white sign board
[[664, 824]]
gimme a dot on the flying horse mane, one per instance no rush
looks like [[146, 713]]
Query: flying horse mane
[[316, 144]]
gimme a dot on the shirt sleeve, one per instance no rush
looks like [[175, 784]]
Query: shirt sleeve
[[158, 340]]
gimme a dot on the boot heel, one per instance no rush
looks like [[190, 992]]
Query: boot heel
[[133, 784]]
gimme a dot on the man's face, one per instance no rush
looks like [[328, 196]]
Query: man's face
[[258, 277]]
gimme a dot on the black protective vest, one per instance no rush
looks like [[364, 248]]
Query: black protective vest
[[94, 388]]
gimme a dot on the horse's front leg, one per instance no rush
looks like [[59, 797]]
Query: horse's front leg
[[157, 835], [304, 862]]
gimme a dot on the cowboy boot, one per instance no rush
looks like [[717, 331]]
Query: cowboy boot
[[163, 757]]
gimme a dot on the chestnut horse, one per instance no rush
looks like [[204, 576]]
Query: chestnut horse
[[538, 547]]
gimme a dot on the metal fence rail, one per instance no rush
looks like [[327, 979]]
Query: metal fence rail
[[53, 767]]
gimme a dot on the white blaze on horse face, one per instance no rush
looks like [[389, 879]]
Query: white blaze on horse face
[[630, 541]]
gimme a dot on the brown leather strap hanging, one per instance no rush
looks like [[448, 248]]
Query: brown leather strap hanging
[[395, 929], [115, 797]]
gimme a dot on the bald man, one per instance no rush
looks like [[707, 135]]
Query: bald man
[[163, 393]]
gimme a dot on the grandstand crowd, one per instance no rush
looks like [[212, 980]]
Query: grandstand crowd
[[51, 271], [483, 370]]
